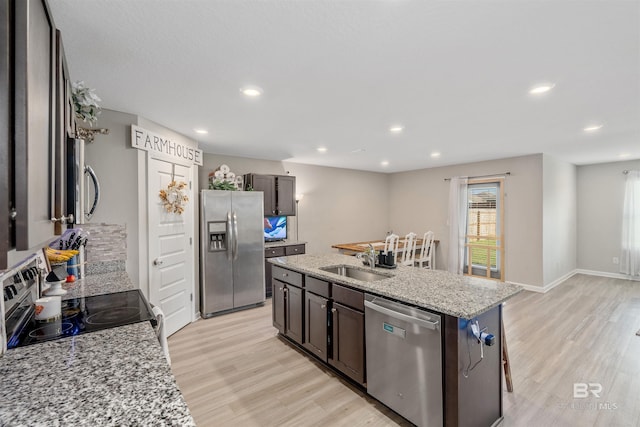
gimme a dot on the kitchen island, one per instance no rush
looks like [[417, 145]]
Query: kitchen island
[[319, 305], [116, 376]]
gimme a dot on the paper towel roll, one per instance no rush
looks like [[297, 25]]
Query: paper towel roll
[[48, 308]]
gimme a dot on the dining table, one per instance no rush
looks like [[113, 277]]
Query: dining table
[[378, 245]]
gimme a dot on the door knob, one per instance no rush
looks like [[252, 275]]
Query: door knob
[[158, 261]]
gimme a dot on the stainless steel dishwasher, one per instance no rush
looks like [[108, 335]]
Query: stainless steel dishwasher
[[404, 359]]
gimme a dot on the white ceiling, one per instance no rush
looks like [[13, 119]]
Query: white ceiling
[[339, 73]]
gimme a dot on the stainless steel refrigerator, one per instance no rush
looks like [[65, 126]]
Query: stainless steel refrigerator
[[231, 251]]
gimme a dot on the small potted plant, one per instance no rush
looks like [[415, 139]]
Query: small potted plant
[[85, 102]]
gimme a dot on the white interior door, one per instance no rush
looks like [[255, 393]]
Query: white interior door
[[170, 246]]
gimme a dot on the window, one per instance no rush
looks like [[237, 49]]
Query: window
[[484, 242]]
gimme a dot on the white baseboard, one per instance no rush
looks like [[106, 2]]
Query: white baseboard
[[548, 287], [526, 287], [607, 274]]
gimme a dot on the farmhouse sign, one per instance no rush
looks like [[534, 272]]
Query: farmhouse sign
[[143, 139]]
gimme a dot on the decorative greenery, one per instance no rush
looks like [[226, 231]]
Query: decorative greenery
[[222, 185], [85, 102], [173, 197]]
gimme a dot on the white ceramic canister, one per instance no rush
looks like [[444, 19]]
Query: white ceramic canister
[[48, 309]]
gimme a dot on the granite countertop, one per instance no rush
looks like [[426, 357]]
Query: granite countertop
[[456, 295], [283, 243], [116, 376], [98, 284]]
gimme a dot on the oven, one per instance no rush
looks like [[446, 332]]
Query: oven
[[78, 315]]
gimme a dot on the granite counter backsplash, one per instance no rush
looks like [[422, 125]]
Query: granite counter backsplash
[[456, 295]]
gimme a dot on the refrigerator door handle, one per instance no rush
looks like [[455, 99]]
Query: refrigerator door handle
[[230, 237], [235, 236]]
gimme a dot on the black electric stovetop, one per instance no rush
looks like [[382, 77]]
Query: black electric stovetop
[[84, 315]]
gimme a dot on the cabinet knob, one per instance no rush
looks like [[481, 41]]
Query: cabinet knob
[[13, 214], [273, 252], [280, 288], [333, 310], [285, 290], [285, 274], [323, 306]]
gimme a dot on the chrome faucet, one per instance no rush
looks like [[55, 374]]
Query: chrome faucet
[[371, 254]]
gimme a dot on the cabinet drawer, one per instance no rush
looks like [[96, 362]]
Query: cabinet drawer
[[347, 296], [317, 286], [294, 249], [274, 252], [286, 276]]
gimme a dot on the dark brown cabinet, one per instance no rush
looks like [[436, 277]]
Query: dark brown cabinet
[[33, 118], [5, 134], [294, 313], [288, 303], [316, 310], [34, 124], [332, 321], [278, 306], [274, 252], [347, 333], [279, 192]]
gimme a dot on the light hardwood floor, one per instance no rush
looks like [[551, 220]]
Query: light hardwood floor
[[233, 370]]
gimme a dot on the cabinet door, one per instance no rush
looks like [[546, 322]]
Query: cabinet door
[[294, 313], [266, 184], [34, 129], [5, 135], [348, 342], [278, 305], [315, 315], [286, 195]]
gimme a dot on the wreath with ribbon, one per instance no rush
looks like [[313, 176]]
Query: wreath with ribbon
[[174, 198]]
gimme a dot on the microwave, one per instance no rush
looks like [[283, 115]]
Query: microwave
[[83, 187]]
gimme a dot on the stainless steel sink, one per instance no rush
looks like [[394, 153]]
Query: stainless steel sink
[[355, 273]]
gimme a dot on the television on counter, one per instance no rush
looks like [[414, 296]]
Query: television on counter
[[275, 228]]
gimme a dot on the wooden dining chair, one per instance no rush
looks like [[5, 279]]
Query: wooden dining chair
[[409, 251], [391, 244], [424, 258]]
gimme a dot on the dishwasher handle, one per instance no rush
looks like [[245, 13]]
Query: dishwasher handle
[[375, 306]]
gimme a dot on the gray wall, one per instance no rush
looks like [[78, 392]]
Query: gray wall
[[339, 205], [559, 210], [418, 202], [600, 203], [116, 165]]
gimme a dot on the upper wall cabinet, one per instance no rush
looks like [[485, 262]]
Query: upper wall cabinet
[[6, 155], [279, 192], [34, 117]]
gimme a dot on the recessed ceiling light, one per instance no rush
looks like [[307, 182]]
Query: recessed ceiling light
[[384, 163], [624, 155], [396, 129], [322, 149], [358, 150], [201, 131], [435, 154], [543, 88], [592, 128], [251, 91]]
